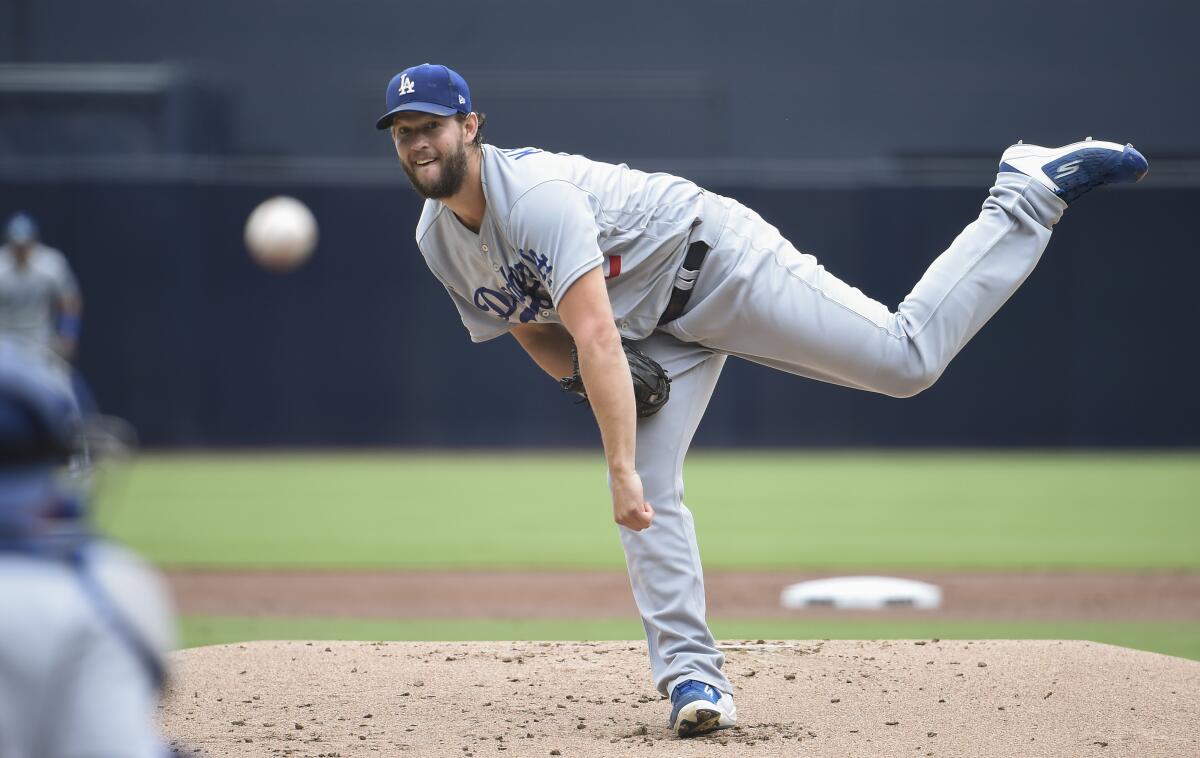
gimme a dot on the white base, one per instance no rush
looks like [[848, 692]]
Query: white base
[[862, 593]]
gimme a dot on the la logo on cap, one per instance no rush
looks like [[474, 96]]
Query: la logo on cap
[[406, 85]]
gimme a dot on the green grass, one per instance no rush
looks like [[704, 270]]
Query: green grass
[[755, 510], [1180, 639]]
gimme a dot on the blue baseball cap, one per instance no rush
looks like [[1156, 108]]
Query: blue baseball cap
[[21, 229], [427, 88]]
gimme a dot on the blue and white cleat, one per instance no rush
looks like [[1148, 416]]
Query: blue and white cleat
[[1075, 169], [700, 708]]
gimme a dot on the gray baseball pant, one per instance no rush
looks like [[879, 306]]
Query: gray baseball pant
[[759, 298]]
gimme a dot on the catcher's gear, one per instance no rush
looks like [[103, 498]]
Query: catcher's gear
[[651, 385]]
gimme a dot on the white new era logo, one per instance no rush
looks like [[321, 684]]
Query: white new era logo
[[462, 100], [406, 86]]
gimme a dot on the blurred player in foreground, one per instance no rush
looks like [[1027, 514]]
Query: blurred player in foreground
[[84, 624], [572, 256]]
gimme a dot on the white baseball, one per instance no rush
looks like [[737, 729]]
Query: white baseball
[[281, 233]]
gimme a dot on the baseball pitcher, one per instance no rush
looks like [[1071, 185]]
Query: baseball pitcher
[[594, 268]]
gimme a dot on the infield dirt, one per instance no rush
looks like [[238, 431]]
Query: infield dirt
[[1147, 596], [832, 698]]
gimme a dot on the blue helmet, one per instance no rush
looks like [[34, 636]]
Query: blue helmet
[[21, 229], [40, 430]]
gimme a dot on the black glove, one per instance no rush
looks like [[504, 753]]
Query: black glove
[[651, 385]]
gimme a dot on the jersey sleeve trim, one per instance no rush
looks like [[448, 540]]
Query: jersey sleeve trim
[[563, 284]]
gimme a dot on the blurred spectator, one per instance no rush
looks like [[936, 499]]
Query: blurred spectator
[[84, 624], [39, 298]]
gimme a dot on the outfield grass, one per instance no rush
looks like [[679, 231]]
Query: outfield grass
[[1181, 639], [755, 510]]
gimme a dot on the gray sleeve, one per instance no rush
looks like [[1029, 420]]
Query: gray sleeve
[[64, 281], [554, 226]]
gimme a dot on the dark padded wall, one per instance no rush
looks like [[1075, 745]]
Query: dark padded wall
[[866, 130], [187, 338], [628, 79]]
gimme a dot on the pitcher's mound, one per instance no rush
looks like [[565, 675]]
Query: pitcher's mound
[[580, 699]]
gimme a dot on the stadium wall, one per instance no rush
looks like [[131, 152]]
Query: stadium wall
[[189, 340]]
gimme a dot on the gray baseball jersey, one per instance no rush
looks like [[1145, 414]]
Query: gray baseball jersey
[[69, 684], [29, 294], [550, 218]]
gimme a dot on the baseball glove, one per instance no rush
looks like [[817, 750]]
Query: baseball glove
[[651, 385]]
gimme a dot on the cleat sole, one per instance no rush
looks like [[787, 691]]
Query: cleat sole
[[706, 720]]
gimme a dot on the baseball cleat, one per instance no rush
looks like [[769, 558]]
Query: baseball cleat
[[1081, 167], [699, 708]]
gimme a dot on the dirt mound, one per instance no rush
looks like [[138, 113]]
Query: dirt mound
[[580, 699]]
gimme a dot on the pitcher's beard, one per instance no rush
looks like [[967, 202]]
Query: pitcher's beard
[[450, 178]]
